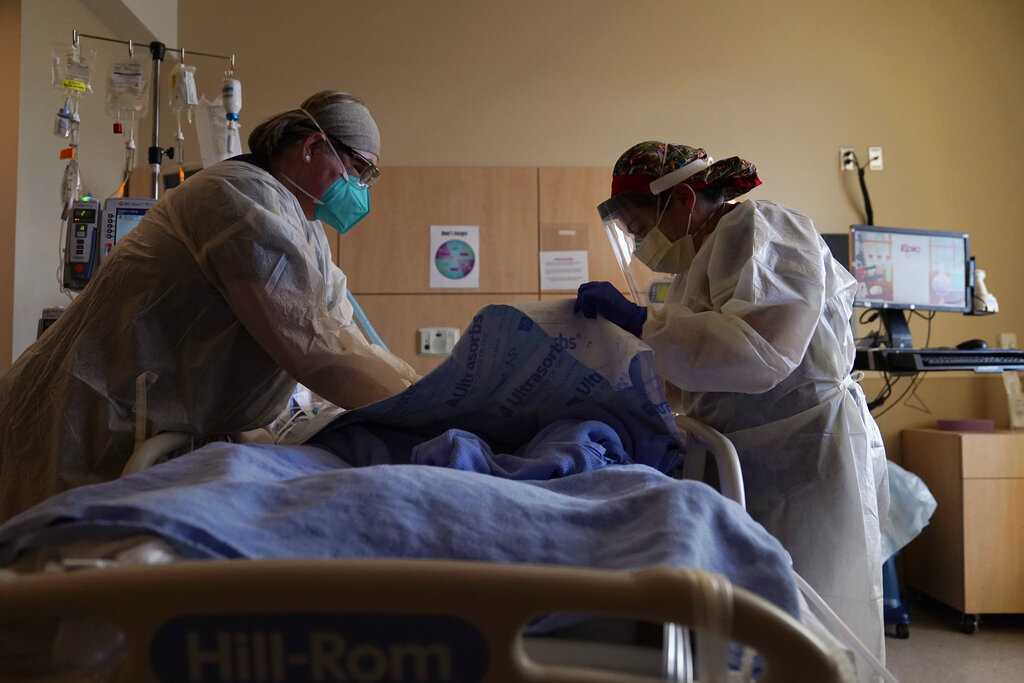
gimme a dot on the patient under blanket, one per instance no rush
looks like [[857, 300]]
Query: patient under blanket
[[544, 438]]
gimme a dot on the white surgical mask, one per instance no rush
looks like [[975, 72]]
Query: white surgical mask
[[659, 254], [662, 256]]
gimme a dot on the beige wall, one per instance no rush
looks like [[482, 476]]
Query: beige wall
[[141, 21], [783, 83]]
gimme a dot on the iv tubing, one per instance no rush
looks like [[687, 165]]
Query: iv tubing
[[364, 322]]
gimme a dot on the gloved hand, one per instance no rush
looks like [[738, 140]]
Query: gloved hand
[[602, 297]]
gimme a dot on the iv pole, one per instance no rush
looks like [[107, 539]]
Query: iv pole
[[157, 50]]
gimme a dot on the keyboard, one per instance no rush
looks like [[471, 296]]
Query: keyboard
[[911, 361]]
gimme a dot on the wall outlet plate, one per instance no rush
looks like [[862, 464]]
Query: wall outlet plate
[[437, 341], [847, 160], [875, 158]]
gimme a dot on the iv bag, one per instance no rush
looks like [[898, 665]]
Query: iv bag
[[183, 89], [71, 68], [127, 89]]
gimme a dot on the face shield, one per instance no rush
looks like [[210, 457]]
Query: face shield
[[627, 218], [631, 214]]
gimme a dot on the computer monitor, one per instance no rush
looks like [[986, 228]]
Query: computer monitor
[[903, 269]]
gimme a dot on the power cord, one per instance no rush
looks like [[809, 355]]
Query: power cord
[[891, 380], [869, 214]]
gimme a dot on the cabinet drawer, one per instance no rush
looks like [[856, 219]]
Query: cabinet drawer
[[996, 455], [978, 455], [993, 545]]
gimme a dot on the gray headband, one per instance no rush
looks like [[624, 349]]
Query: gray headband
[[351, 123]]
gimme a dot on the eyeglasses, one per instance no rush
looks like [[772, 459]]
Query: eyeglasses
[[367, 172]]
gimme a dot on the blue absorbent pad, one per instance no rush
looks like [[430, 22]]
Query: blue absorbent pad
[[516, 371]]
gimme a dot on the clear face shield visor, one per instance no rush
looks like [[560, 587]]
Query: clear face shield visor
[[627, 218]]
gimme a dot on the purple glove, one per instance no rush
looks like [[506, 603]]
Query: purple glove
[[603, 298]]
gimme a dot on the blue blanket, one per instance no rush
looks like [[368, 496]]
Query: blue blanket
[[236, 501], [544, 438]]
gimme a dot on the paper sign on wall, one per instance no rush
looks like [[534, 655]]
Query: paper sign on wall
[[455, 256], [563, 269]]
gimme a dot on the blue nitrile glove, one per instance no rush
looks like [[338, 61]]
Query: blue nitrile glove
[[602, 297]]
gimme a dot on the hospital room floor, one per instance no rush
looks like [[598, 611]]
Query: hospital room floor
[[937, 650]]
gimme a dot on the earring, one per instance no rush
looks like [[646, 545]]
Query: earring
[[308, 158]]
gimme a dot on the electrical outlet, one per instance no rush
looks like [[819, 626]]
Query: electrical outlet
[[875, 158], [847, 161], [437, 341]]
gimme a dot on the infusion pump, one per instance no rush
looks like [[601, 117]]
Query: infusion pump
[[92, 234], [657, 291], [120, 215], [79, 254]]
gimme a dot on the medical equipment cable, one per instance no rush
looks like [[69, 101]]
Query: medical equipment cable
[[183, 99], [60, 265], [869, 214], [890, 380], [364, 322]]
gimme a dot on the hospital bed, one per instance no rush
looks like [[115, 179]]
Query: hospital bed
[[446, 620], [609, 588]]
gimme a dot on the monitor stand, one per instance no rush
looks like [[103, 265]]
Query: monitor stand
[[897, 332]]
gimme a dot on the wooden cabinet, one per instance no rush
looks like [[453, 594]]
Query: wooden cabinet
[[389, 251], [971, 554], [521, 212], [568, 199]]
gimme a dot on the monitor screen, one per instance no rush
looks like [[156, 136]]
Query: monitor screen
[[125, 220], [120, 216], [906, 269]]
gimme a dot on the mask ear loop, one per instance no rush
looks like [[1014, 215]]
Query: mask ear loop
[[661, 213], [327, 141], [344, 171]]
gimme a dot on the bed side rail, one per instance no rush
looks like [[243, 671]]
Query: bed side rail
[[381, 619], [722, 450]]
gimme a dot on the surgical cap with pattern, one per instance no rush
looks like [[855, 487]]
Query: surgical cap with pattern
[[648, 161]]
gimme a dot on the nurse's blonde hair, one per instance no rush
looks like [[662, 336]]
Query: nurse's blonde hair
[[291, 127]]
